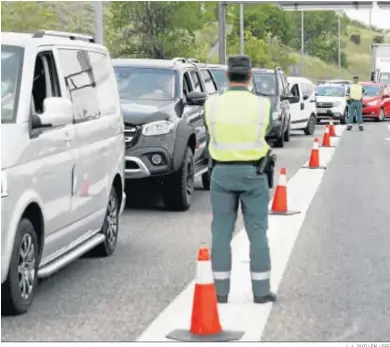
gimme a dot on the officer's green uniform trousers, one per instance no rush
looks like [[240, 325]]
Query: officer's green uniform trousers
[[231, 184]]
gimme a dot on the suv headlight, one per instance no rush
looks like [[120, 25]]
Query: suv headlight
[[157, 128], [4, 185]]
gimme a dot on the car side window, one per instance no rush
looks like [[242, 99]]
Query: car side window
[[80, 83], [196, 81], [211, 87], [105, 83], [45, 82], [187, 88]]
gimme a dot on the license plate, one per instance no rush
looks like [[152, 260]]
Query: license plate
[[322, 110]]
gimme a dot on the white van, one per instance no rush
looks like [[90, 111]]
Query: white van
[[303, 112], [62, 158]]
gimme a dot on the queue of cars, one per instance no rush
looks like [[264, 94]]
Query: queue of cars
[[79, 130]]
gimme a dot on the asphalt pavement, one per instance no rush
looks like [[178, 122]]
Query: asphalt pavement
[[115, 299], [337, 284]]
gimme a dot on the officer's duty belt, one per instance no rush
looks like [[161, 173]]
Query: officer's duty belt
[[252, 162]]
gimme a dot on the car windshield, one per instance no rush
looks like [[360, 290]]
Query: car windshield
[[145, 83], [385, 77], [372, 90], [11, 66], [338, 91], [265, 83]]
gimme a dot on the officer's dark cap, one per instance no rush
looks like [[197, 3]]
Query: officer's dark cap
[[239, 64]]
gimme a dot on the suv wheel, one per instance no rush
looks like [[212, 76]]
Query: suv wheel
[[344, 118], [177, 189], [279, 143], [18, 290], [206, 180], [287, 133], [311, 125], [110, 227]]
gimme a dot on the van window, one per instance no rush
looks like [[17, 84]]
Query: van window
[[80, 83], [105, 83], [295, 90], [209, 83]]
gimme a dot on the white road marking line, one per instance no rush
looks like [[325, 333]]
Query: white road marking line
[[388, 138], [241, 313]]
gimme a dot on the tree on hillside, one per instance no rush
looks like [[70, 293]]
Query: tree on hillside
[[158, 29]]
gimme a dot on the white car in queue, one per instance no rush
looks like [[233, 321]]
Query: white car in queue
[[303, 111], [332, 102]]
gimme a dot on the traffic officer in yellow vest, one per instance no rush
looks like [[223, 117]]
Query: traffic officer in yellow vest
[[237, 122], [355, 104]]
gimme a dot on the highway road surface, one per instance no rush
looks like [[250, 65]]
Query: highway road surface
[[331, 262]]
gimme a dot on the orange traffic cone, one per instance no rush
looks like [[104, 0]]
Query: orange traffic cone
[[326, 138], [279, 204], [332, 130], [205, 325], [314, 162]]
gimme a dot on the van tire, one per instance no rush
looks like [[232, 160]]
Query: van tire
[[12, 302], [110, 227], [178, 187], [311, 125]]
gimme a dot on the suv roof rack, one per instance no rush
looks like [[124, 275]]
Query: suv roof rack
[[193, 60], [179, 60], [71, 36]]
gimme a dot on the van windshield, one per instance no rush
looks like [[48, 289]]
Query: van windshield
[[385, 77], [337, 91], [11, 68], [136, 83]]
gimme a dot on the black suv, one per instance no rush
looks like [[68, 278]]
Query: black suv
[[273, 84], [163, 109]]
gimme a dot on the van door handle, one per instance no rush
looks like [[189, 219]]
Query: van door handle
[[302, 106]]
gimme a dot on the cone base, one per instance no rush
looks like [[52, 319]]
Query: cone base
[[314, 168], [186, 336], [327, 146], [286, 213]]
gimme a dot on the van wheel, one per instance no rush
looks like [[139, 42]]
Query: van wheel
[[206, 180], [177, 189], [311, 126], [110, 227], [18, 290]]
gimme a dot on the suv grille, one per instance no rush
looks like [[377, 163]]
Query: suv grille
[[132, 133]]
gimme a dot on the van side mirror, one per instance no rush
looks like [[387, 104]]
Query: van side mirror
[[56, 112], [196, 98], [305, 97]]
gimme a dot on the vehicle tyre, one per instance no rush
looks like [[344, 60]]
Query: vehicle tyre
[[177, 189], [18, 290], [279, 143], [381, 117], [287, 133], [110, 227], [311, 125], [206, 181], [344, 119]]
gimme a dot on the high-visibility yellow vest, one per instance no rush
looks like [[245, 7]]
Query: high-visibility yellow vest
[[356, 92], [237, 122]]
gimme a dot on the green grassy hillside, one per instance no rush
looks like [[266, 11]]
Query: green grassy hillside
[[358, 57]]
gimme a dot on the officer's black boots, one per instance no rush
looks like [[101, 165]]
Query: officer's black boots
[[222, 299], [361, 127], [271, 297], [349, 128]]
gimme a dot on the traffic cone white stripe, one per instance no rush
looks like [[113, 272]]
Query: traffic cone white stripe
[[315, 145], [282, 181], [204, 275]]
